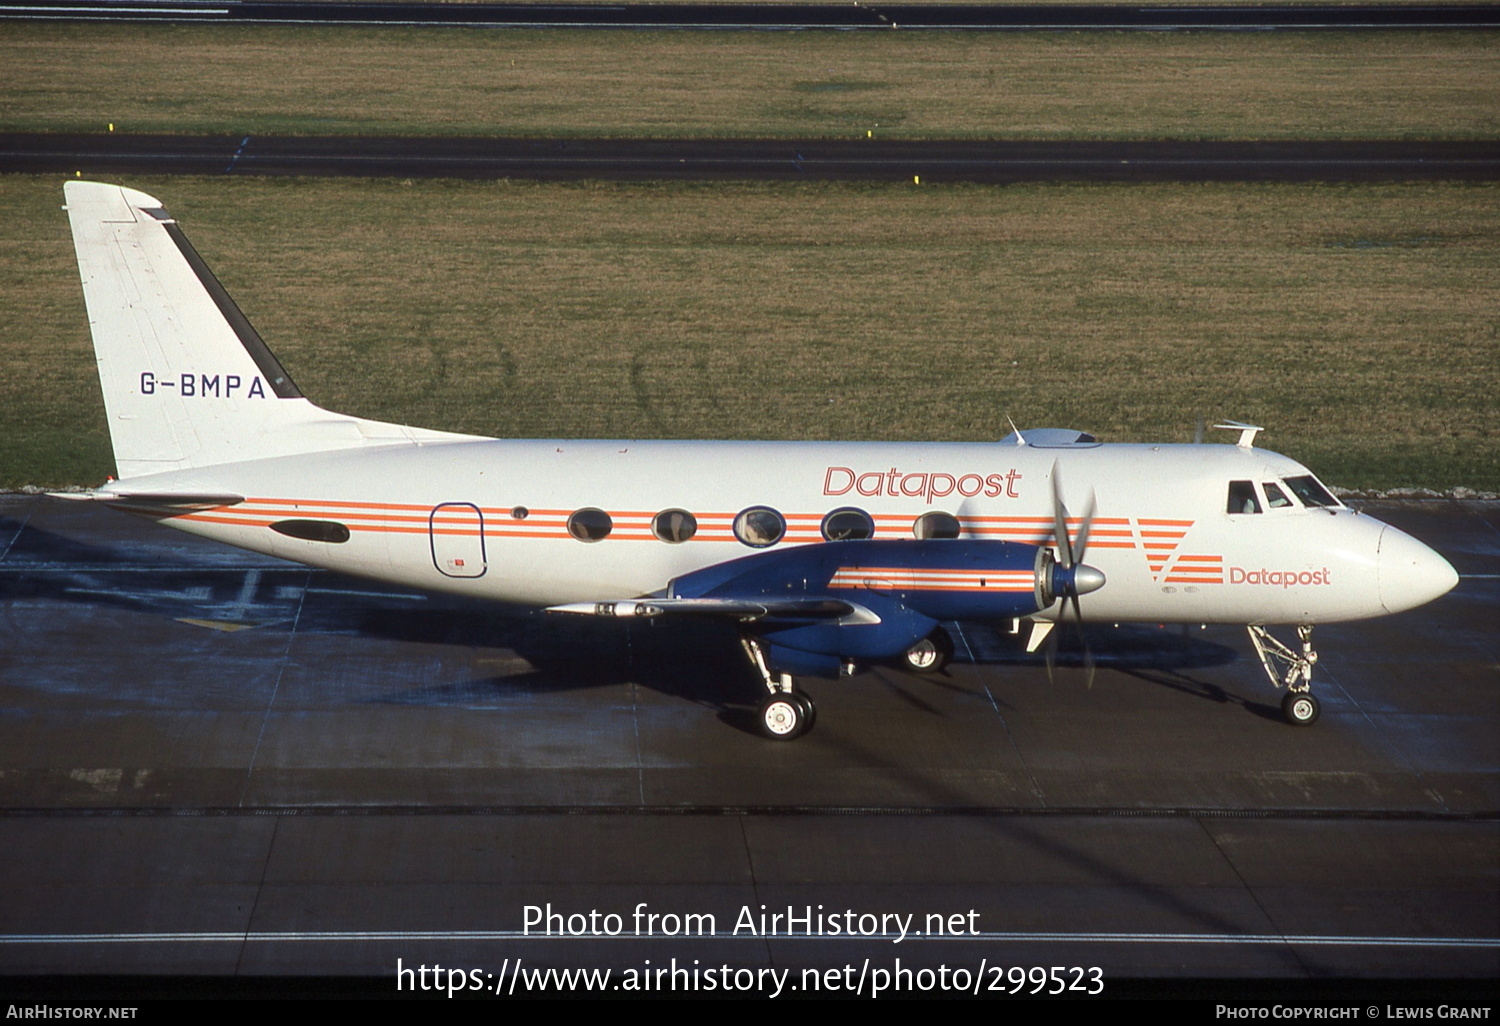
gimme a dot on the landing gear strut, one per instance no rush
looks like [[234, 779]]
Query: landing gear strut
[[1292, 670], [787, 714]]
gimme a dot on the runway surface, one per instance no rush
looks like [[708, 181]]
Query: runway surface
[[791, 160], [847, 16], [215, 762]]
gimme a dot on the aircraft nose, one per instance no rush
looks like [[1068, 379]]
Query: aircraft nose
[[1410, 573]]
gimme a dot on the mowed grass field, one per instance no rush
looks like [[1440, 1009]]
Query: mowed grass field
[[1052, 85], [1357, 324]]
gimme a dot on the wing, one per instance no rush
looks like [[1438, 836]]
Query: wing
[[742, 609]]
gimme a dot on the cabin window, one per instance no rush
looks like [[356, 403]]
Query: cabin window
[[936, 525], [759, 527], [848, 524], [1275, 497], [1242, 497], [674, 525], [590, 525], [1310, 491]]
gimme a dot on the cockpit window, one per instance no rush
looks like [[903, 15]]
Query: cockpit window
[[1310, 491], [1242, 498], [1275, 497]]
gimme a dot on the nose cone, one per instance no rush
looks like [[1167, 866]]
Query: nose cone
[[1410, 573], [1087, 579]]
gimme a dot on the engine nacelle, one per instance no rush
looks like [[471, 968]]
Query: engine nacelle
[[909, 586]]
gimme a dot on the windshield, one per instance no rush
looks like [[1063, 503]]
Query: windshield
[[1310, 491]]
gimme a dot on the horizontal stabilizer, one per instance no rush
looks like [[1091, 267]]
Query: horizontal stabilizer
[[185, 500]]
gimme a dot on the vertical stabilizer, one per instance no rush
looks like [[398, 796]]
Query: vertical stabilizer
[[187, 381]]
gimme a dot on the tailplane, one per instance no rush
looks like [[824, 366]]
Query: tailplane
[[187, 380]]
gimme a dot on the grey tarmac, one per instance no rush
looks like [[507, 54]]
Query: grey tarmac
[[889, 160], [215, 762]]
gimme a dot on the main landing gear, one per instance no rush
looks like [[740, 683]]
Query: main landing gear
[[1292, 670], [786, 714], [931, 654]]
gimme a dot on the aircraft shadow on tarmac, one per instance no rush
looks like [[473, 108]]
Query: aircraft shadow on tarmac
[[698, 661]]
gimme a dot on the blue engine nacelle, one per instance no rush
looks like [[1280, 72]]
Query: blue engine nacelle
[[897, 591]]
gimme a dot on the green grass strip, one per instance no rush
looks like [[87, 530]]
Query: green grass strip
[[452, 81], [1356, 323]]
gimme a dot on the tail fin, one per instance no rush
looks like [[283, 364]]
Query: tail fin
[[187, 380]]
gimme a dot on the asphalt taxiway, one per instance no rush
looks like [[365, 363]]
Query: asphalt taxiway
[[786, 16], [215, 762], [933, 161]]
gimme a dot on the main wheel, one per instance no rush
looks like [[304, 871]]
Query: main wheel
[[785, 716], [1300, 708], [809, 711], [930, 654]]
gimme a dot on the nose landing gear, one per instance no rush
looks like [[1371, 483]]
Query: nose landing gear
[[1286, 668]]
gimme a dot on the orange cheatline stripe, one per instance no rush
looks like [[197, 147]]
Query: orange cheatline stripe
[[905, 585], [1017, 521], [1025, 579], [357, 517], [966, 571], [1200, 559], [934, 571], [1166, 523], [550, 523], [898, 580]]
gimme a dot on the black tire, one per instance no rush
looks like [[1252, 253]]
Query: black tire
[[783, 717], [1300, 708], [809, 711], [930, 655]]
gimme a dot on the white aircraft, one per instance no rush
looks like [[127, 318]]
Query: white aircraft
[[826, 554]]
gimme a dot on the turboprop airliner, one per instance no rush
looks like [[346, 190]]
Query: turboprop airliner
[[827, 555]]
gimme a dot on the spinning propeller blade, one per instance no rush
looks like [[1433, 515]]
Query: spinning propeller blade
[[1070, 554]]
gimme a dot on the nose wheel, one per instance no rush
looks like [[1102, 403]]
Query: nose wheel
[[1287, 668], [1300, 708]]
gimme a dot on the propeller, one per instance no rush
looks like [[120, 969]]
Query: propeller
[[1072, 577], [1198, 430]]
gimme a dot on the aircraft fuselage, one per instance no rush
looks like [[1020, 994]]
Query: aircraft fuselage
[[490, 519]]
